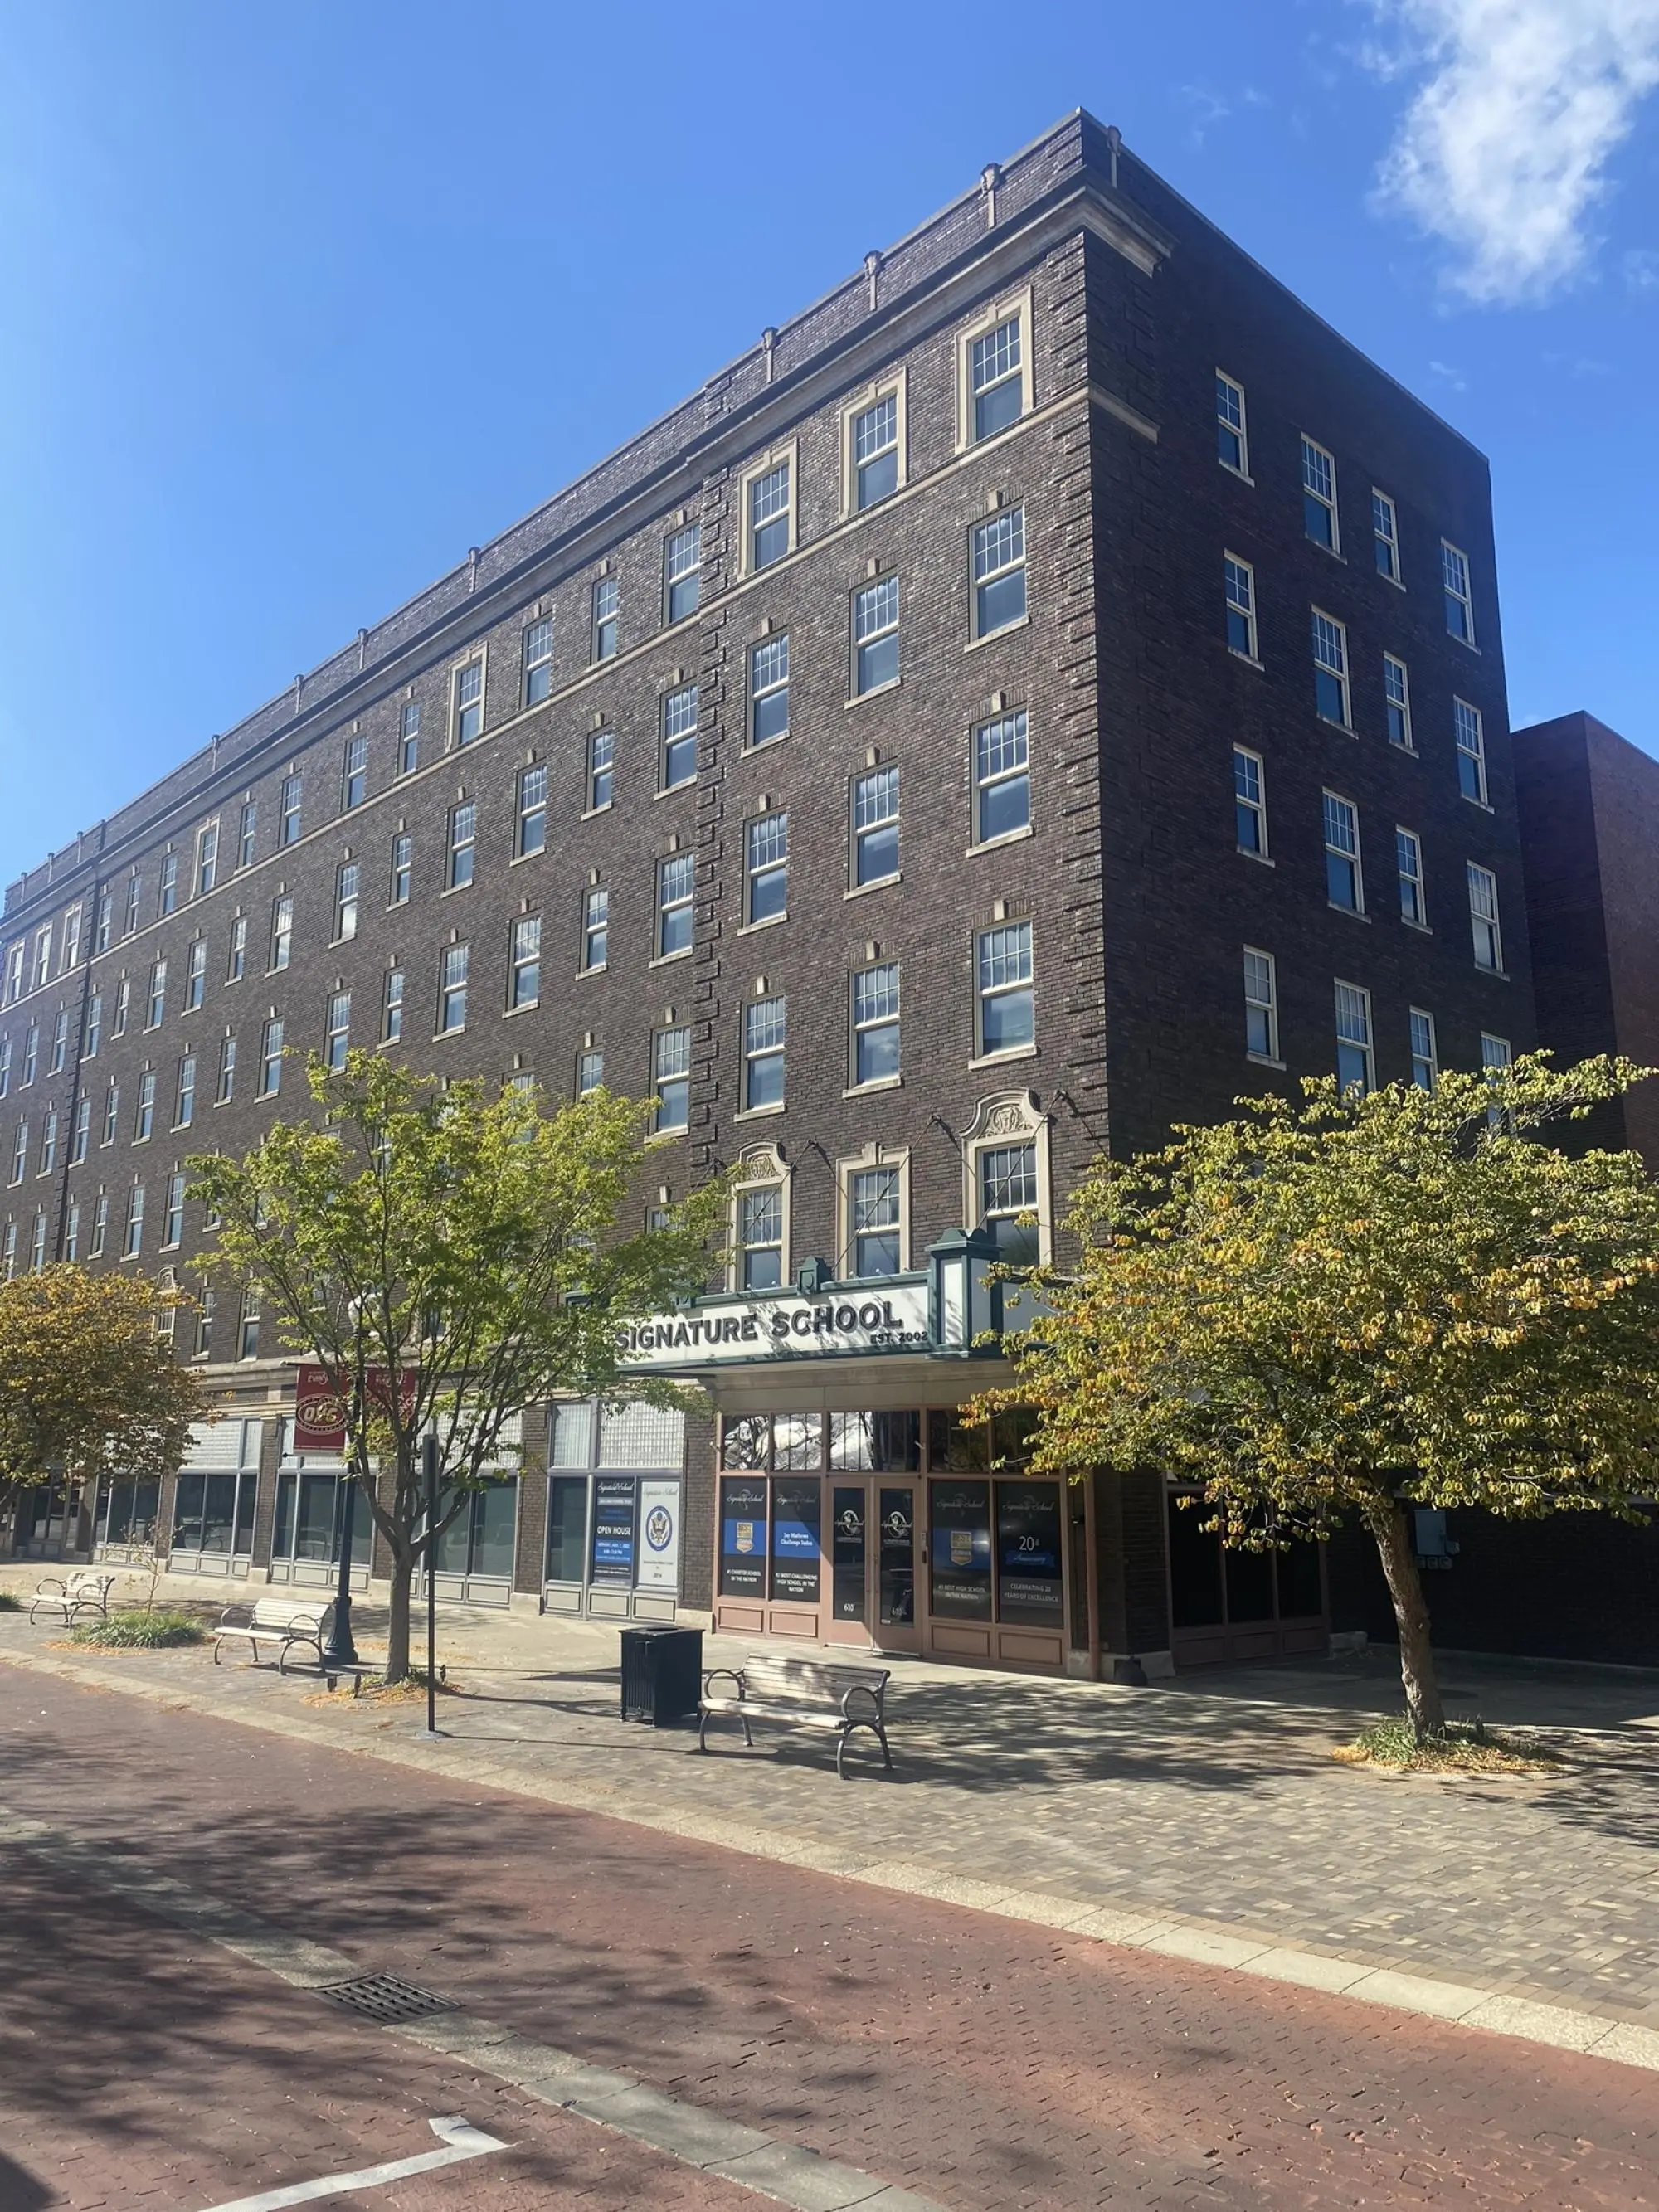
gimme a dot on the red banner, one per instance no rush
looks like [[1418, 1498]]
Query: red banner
[[320, 1411]]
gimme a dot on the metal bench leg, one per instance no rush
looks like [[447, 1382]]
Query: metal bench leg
[[703, 1733], [840, 1755]]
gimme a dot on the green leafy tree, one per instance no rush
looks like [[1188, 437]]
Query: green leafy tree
[[87, 1386], [1345, 1307], [464, 1241]]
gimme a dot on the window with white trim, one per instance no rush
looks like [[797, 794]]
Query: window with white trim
[[19, 1151], [533, 809], [876, 826], [770, 511], [679, 738], [1006, 1010], [8, 1252], [1249, 802], [601, 769], [72, 1232], [288, 809], [606, 634], [207, 858], [875, 1008], [80, 1136], [874, 435], [348, 877], [1495, 1053], [195, 974], [1408, 866], [166, 896], [538, 650], [184, 1092], [596, 928], [111, 1112], [1425, 1063], [391, 1006], [409, 737], [247, 1325], [463, 844], [1469, 731], [99, 1225], [226, 1086], [759, 1236], [1344, 885], [1330, 660], [132, 1243], [996, 378], [37, 1243], [156, 1004], [247, 828], [15, 972], [1238, 590], [590, 1071], [1397, 701], [1319, 518], [134, 892], [682, 572], [403, 868], [1454, 589], [354, 773], [59, 1041], [5, 1064], [671, 1079], [1008, 1196], [766, 868], [999, 570], [1385, 536], [49, 1142], [467, 702], [1002, 778], [875, 635], [524, 979], [31, 1054], [875, 1200], [282, 932], [236, 960], [764, 1025], [769, 690], [452, 988], [270, 1059], [1355, 1069], [1260, 1006], [1483, 918], [104, 927], [71, 952], [1231, 435], [172, 1215], [676, 914], [337, 1032]]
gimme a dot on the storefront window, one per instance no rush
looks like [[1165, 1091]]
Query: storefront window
[[960, 1514], [747, 1441], [127, 1511], [897, 1556], [214, 1513], [479, 1540], [1211, 1586], [796, 1441], [308, 1520], [617, 1529], [567, 1527], [885, 1443], [743, 1538], [956, 1444], [613, 1530], [1028, 1588], [797, 1510]]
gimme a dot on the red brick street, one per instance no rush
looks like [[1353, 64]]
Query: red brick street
[[980, 2062]]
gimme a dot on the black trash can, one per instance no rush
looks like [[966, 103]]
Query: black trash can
[[661, 1674]]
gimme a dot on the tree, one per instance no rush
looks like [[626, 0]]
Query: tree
[[463, 1241], [87, 1386], [1357, 1305]]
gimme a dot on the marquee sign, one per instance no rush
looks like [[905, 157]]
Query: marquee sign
[[728, 1332]]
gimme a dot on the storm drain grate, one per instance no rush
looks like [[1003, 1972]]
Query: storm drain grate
[[384, 1997]]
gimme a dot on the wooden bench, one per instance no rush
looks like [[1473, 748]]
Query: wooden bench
[[272, 1621], [802, 1693], [82, 1593]]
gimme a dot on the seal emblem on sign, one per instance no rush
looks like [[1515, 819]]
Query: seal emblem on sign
[[659, 1528]]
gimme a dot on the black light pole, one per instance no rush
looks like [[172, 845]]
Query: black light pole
[[430, 1450], [340, 1651]]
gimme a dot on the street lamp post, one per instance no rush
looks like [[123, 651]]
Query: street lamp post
[[340, 1651]]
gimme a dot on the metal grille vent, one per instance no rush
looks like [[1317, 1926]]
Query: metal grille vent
[[384, 1997]]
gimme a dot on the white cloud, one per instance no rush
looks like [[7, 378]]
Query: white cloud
[[1502, 150]]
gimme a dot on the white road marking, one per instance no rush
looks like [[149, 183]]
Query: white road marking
[[464, 2141]]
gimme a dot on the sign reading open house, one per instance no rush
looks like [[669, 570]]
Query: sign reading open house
[[724, 1331]]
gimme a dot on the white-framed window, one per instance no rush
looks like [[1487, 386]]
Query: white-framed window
[[173, 1213], [49, 1142], [1232, 441], [391, 1006], [1385, 536], [1319, 518], [1483, 918], [671, 1079], [247, 1325], [759, 1236], [1397, 701], [247, 831], [133, 1241], [72, 1232], [42, 958], [538, 650], [59, 1041], [288, 809], [236, 959], [409, 737], [19, 1151], [676, 913], [875, 1017], [99, 1225], [452, 988], [875, 635], [1002, 778], [1469, 730], [524, 976], [1344, 883], [466, 712], [134, 889], [995, 371], [1425, 1062], [1408, 866], [156, 1003], [463, 844], [1330, 660], [37, 1243], [999, 571], [532, 810], [1355, 1068], [403, 868], [347, 880], [204, 1306], [167, 894], [1008, 1198], [14, 970], [195, 974], [8, 1252], [80, 1135], [207, 858], [596, 928], [875, 1212], [601, 769], [354, 773], [766, 868], [1495, 1053], [337, 1031], [764, 1037], [111, 1112], [1006, 1011], [678, 755], [590, 1070], [270, 1059], [71, 952], [606, 634], [226, 1089], [31, 1054], [184, 1092], [876, 826], [282, 932], [1249, 802], [682, 564], [103, 928], [875, 459], [1454, 589], [769, 690], [5, 1064], [1238, 596], [768, 512]]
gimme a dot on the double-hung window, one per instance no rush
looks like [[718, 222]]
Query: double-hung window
[[59, 1041], [144, 1120], [195, 974], [463, 842], [1385, 536], [682, 572], [1471, 737], [763, 1038], [166, 892], [998, 565], [42, 957], [676, 886], [31, 1052], [132, 1242], [49, 1142], [452, 988], [596, 927], [103, 928], [532, 810], [1397, 701], [5, 1064], [184, 1093], [766, 868], [236, 959], [282, 932], [403, 866], [876, 1023], [409, 737], [1319, 496], [601, 769], [670, 1076], [1455, 589], [354, 773], [135, 890], [226, 1086], [1003, 964], [1231, 435], [524, 962], [590, 1071], [875, 635], [99, 1225], [391, 1006], [997, 379], [468, 696], [247, 831], [288, 810], [679, 738], [1355, 1070], [37, 1243], [1249, 802], [875, 434], [1238, 587], [1002, 778], [337, 1033], [874, 1197], [769, 690], [270, 1059], [771, 515], [247, 1325], [72, 938], [156, 1004], [1426, 1066], [19, 1151], [173, 1213], [1330, 660], [111, 1113], [1408, 864], [1007, 1195], [1483, 918], [760, 1237], [346, 884], [80, 1138], [538, 661], [8, 1252], [207, 858], [607, 619], [876, 826], [1260, 1006], [1344, 886]]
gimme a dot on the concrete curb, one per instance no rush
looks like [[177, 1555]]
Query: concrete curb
[[1195, 1942]]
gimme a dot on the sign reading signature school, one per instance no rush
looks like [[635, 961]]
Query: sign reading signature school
[[723, 1332]]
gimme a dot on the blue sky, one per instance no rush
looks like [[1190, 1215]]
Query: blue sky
[[303, 299]]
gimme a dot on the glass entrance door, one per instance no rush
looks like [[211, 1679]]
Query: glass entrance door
[[897, 1627], [872, 1558]]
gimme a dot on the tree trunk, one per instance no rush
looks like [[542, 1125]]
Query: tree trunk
[[1385, 1519], [397, 1634]]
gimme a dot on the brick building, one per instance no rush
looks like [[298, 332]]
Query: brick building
[[1049, 686]]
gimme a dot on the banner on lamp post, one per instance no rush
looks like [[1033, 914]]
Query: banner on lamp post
[[321, 1410]]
